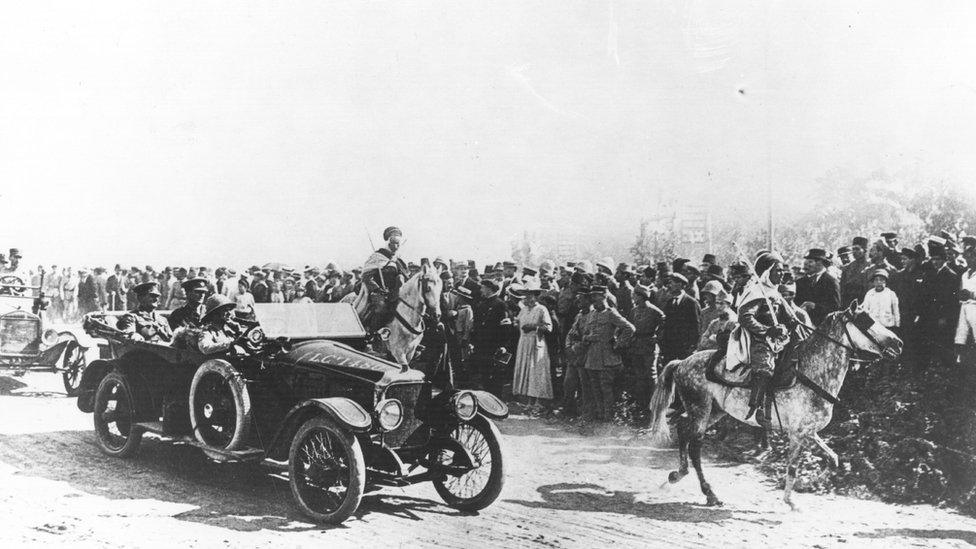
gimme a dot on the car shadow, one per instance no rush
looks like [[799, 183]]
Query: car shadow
[[593, 498], [967, 536], [244, 497]]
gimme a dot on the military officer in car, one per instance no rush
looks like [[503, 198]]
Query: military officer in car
[[144, 323], [190, 315]]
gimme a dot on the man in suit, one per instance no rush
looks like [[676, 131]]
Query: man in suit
[[682, 315], [818, 292], [938, 305], [116, 289], [852, 282], [490, 333]]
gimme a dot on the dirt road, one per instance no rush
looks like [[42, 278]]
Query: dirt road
[[562, 490]]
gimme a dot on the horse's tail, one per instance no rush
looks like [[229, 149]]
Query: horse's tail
[[660, 430]]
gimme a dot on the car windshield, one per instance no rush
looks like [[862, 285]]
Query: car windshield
[[309, 320]]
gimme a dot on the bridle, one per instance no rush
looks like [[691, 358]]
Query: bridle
[[423, 310], [863, 322]]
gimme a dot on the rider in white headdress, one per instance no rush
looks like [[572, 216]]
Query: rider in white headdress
[[383, 273]]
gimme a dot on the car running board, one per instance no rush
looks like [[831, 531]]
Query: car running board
[[216, 454]]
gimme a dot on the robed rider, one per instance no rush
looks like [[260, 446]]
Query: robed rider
[[764, 328], [383, 274]]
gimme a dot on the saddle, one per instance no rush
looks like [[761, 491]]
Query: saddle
[[784, 373]]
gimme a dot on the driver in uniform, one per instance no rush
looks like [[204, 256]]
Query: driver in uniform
[[218, 331], [143, 323], [383, 274], [191, 314]]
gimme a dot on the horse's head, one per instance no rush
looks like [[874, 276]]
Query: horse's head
[[423, 290], [866, 334]]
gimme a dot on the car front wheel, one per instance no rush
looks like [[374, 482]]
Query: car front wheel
[[326, 471], [479, 486], [114, 415]]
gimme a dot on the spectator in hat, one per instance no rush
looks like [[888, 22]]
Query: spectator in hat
[[607, 334], [218, 331], [533, 378], [259, 288], [87, 293], [639, 369], [891, 251], [966, 327], [905, 282], [877, 254], [463, 322], [682, 313], [845, 257], [575, 353], [489, 336], [299, 295], [852, 282], [624, 292], [177, 296], [882, 303], [70, 282], [709, 311], [817, 291], [938, 306], [739, 275], [725, 320]]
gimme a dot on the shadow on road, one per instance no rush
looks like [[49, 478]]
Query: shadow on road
[[962, 535], [593, 498], [238, 496]]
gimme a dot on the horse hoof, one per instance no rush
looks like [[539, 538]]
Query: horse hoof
[[714, 502], [675, 476]]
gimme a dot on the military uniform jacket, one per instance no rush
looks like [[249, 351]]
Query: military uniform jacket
[[647, 320], [150, 325], [604, 331], [823, 291], [187, 316]]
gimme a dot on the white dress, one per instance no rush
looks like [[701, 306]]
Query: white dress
[[532, 374]]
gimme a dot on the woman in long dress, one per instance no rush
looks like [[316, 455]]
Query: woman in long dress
[[532, 374]]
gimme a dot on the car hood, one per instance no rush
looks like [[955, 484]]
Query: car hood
[[336, 356]]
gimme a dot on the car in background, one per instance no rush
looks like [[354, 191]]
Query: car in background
[[27, 345]]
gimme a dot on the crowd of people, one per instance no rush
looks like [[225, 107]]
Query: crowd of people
[[574, 338]]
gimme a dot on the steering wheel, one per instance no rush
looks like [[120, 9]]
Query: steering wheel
[[253, 340], [11, 280]]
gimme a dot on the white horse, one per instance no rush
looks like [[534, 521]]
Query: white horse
[[418, 302]]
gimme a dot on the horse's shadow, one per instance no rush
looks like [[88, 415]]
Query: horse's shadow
[[593, 498]]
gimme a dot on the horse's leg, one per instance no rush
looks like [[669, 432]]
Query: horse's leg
[[823, 446], [682, 429], [697, 432], [796, 444]]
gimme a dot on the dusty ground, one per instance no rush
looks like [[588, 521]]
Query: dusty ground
[[562, 490]]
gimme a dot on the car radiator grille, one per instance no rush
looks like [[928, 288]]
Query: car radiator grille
[[409, 432], [18, 334]]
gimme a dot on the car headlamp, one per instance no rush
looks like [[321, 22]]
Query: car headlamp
[[465, 405], [50, 337], [389, 414]]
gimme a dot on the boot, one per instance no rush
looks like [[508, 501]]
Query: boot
[[760, 383]]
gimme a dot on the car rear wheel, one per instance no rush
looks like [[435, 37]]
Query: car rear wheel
[[114, 417], [220, 406], [73, 362], [326, 471], [481, 485]]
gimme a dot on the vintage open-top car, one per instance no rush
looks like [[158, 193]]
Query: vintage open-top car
[[26, 345], [302, 396]]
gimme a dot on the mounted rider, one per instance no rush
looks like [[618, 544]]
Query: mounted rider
[[383, 274], [764, 328]]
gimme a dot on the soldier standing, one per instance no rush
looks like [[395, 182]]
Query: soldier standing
[[607, 333], [647, 320]]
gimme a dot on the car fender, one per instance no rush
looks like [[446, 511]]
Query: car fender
[[347, 413], [490, 405], [84, 340]]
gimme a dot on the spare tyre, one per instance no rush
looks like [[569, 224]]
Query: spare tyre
[[220, 406]]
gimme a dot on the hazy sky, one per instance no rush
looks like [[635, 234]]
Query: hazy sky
[[245, 132]]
